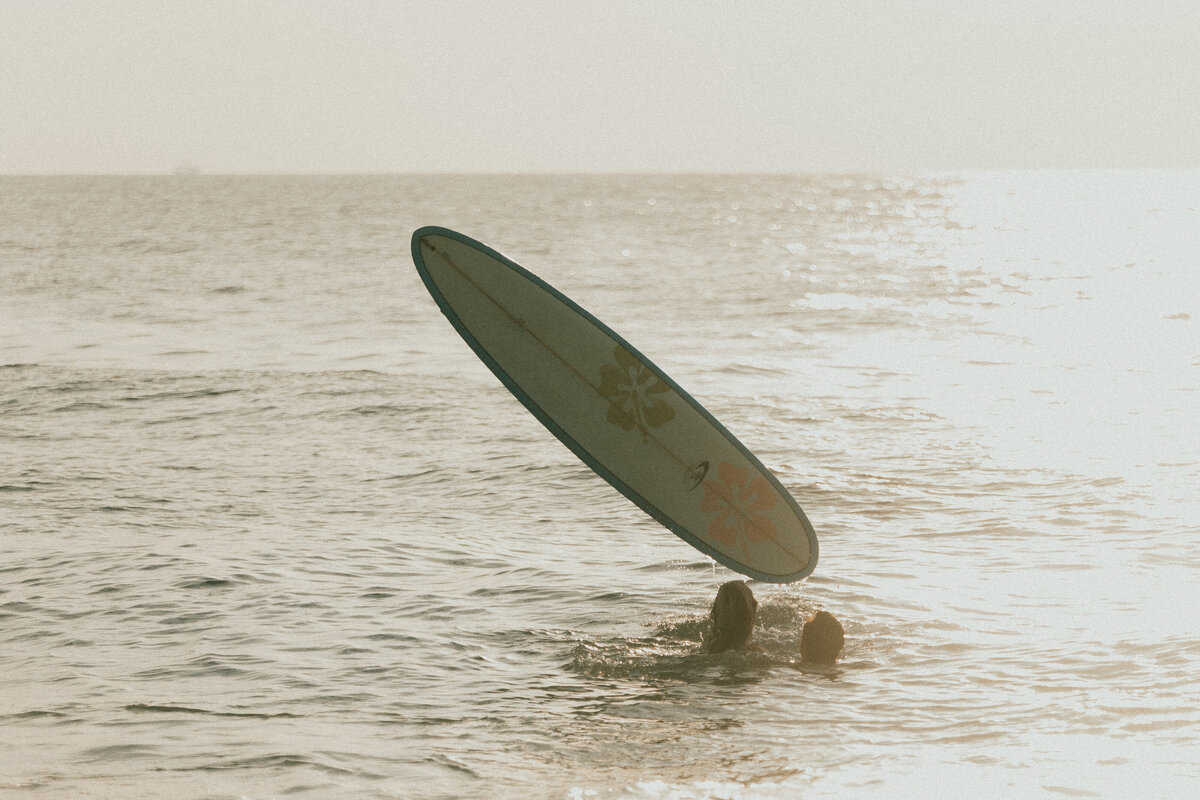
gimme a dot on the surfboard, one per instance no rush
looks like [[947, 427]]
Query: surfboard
[[617, 411]]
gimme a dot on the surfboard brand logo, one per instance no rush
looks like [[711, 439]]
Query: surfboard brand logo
[[696, 473], [737, 500], [633, 394]]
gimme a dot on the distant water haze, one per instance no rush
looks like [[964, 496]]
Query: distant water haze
[[276, 86], [268, 527]]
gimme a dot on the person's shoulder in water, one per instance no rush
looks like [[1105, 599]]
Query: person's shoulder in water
[[731, 627]]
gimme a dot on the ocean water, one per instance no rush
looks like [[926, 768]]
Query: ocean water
[[268, 528]]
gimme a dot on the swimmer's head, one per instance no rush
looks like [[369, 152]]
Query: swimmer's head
[[822, 639], [733, 614]]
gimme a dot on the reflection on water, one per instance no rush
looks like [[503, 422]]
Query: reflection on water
[[267, 527]]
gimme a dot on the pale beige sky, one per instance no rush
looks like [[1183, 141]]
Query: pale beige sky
[[556, 85]]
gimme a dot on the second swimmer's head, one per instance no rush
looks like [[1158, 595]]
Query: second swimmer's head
[[822, 639]]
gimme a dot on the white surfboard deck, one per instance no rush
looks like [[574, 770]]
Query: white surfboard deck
[[617, 411]]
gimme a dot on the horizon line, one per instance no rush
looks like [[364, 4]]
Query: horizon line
[[200, 173]]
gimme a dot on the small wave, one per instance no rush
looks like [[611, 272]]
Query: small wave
[[150, 247], [232, 289], [750, 369], [38, 714], [405, 477], [81, 406], [203, 666], [656, 659], [188, 394], [205, 583], [166, 562], [120, 752], [150, 708], [454, 765], [372, 410], [275, 760], [194, 616], [17, 607], [394, 637]]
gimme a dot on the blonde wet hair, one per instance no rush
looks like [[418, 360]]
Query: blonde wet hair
[[732, 618]]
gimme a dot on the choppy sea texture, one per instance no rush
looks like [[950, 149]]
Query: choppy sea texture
[[268, 528]]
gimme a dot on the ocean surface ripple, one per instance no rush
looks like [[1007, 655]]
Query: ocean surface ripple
[[268, 528]]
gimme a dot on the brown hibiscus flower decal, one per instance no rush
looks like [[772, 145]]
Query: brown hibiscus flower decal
[[737, 500], [632, 390]]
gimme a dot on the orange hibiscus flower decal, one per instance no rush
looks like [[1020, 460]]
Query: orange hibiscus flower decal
[[737, 500], [632, 390]]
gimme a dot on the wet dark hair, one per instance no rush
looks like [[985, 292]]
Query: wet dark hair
[[732, 617], [822, 639]]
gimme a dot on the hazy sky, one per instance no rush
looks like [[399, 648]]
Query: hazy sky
[[557, 85]]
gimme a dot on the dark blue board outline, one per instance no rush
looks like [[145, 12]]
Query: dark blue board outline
[[582, 453]]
